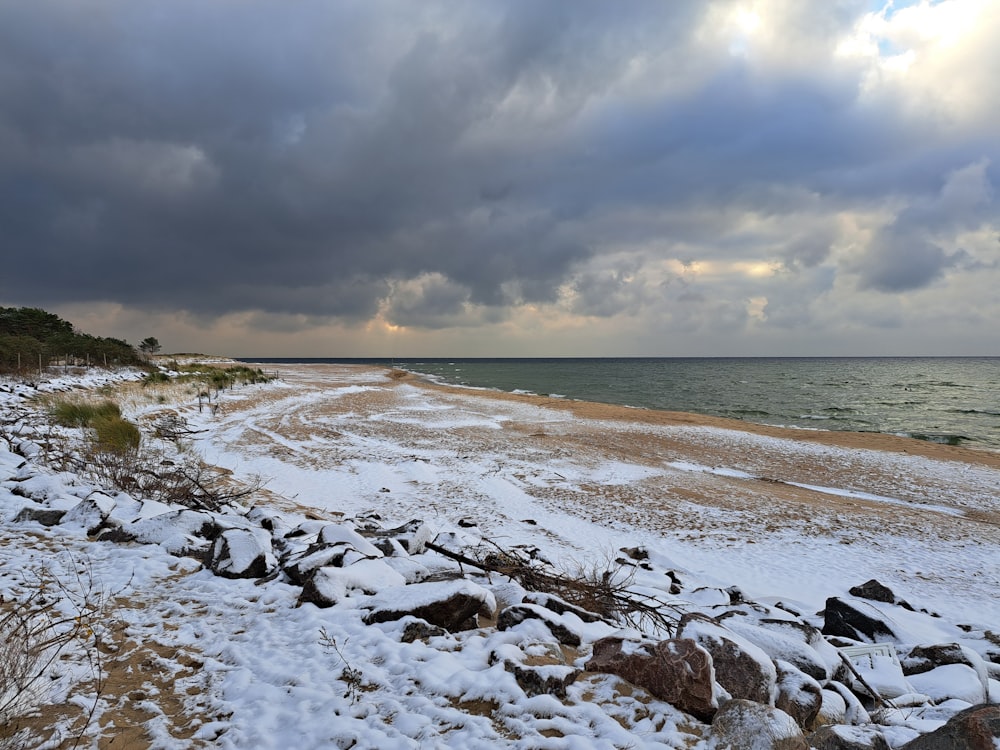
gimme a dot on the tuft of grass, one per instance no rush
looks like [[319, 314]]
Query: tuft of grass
[[116, 435], [155, 377], [83, 413], [112, 433]]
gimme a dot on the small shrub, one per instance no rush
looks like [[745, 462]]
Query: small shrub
[[72, 617]]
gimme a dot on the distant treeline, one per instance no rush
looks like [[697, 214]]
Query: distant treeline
[[31, 338]]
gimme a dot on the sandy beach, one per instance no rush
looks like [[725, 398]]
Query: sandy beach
[[703, 483]]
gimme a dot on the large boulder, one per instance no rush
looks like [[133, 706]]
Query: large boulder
[[677, 671], [452, 605], [742, 668], [783, 640], [976, 728], [746, 725]]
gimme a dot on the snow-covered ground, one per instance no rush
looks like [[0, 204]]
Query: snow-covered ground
[[241, 664]]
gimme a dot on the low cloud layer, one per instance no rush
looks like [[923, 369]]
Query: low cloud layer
[[554, 178]]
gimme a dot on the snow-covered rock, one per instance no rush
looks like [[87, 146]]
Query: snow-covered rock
[[242, 553]]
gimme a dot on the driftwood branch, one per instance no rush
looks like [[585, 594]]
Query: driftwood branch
[[605, 593]]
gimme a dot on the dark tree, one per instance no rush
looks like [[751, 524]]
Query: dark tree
[[149, 345]]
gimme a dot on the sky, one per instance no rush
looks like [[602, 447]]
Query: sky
[[391, 178]]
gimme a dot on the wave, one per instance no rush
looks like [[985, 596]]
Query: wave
[[941, 438]]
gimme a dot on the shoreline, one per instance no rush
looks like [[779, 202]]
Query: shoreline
[[934, 400], [879, 441], [732, 499]]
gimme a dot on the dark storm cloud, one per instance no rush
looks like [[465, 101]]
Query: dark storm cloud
[[315, 158]]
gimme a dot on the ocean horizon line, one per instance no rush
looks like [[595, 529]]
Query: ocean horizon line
[[613, 357]]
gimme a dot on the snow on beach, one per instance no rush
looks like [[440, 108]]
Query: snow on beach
[[783, 519]]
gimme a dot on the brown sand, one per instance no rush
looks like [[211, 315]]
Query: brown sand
[[537, 434]]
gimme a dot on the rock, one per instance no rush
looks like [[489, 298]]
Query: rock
[[854, 711], [336, 533], [976, 728], [518, 613], [799, 695], [848, 738], [180, 532], [782, 640], [873, 590], [328, 586], [677, 671], [746, 725], [452, 605], [542, 679], [742, 668], [44, 516], [856, 620], [91, 513], [241, 553], [920, 659], [415, 630], [301, 566]]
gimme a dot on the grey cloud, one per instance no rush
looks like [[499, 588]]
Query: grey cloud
[[909, 254], [327, 159], [903, 262]]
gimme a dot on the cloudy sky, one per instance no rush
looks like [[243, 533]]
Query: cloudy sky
[[506, 177]]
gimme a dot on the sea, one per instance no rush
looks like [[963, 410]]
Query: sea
[[949, 400]]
